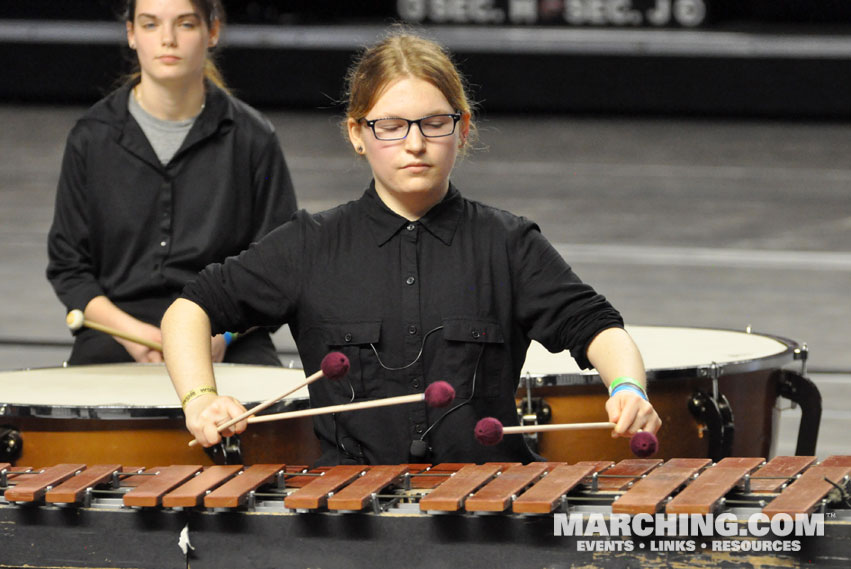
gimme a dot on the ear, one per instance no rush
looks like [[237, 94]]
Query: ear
[[131, 36], [356, 130], [464, 130], [215, 28]]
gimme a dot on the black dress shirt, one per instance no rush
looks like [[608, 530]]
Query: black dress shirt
[[466, 286], [136, 231]]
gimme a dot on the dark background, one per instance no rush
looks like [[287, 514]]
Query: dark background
[[752, 58], [794, 13]]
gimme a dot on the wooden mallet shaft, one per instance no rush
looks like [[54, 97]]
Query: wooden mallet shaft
[[400, 400], [489, 431], [76, 320], [557, 427], [269, 402], [334, 366], [437, 394]]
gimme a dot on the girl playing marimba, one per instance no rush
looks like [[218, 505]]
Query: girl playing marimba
[[413, 283]]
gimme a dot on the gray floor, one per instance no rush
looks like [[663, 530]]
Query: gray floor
[[700, 223]]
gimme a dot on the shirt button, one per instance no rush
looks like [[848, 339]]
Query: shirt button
[[162, 243], [415, 384], [420, 428], [475, 334], [347, 337], [410, 280], [410, 227], [412, 330]]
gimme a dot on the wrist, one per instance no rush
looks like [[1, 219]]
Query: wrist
[[626, 380], [230, 337], [197, 392], [629, 387]]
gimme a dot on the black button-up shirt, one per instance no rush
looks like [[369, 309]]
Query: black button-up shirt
[[130, 228], [454, 296]]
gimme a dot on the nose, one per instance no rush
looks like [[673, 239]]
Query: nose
[[415, 141], [168, 35]]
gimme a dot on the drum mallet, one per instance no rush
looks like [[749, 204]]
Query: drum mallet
[[438, 394], [334, 366], [76, 320], [489, 431]]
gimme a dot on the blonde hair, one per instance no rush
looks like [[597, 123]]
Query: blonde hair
[[403, 54], [211, 11]]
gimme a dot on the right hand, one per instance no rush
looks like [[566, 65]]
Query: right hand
[[139, 352], [205, 413]]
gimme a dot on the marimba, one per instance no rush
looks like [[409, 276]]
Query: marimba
[[485, 515]]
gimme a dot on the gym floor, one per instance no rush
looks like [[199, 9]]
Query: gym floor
[[681, 222]]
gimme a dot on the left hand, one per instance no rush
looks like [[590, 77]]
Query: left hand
[[631, 413], [218, 347]]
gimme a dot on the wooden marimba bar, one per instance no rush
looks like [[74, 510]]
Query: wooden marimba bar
[[494, 502]]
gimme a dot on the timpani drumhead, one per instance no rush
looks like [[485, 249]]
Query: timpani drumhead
[[131, 390], [130, 414]]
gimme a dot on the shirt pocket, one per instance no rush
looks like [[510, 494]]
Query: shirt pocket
[[468, 341], [355, 340]]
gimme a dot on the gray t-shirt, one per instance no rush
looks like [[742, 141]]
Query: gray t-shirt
[[165, 136]]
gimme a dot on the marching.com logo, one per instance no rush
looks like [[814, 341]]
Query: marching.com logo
[[725, 525]]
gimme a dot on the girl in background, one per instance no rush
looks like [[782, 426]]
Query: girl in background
[[163, 176]]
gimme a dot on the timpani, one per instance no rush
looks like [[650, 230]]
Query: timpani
[[130, 414], [679, 362]]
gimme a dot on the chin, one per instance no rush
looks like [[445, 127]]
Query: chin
[[420, 184]]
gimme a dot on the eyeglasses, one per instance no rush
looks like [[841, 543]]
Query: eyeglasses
[[433, 126]]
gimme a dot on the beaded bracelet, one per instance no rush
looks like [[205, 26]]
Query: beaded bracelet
[[197, 392], [628, 387], [230, 337], [625, 380]]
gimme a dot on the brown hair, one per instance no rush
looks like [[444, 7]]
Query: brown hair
[[210, 10], [403, 54]]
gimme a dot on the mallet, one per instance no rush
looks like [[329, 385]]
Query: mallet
[[438, 394], [489, 431], [76, 320], [334, 366]]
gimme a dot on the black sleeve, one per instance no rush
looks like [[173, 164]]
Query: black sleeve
[[259, 287], [554, 306], [71, 266]]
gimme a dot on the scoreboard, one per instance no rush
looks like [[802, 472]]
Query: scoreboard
[[617, 13]]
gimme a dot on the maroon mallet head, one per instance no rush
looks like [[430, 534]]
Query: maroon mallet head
[[439, 394], [488, 431], [644, 444], [335, 365]]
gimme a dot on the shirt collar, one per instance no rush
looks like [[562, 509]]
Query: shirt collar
[[441, 220], [217, 114]]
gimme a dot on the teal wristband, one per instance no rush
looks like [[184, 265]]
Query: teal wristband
[[628, 387], [228, 338], [623, 380]]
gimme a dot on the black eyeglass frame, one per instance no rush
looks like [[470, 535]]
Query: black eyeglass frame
[[454, 116]]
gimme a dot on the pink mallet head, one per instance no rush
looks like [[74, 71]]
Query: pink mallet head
[[644, 444], [335, 365], [439, 394], [488, 431]]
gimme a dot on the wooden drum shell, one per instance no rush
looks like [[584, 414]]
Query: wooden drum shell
[[151, 432], [748, 384]]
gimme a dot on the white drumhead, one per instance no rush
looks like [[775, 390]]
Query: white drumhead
[[137, 385], [664, 347]]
